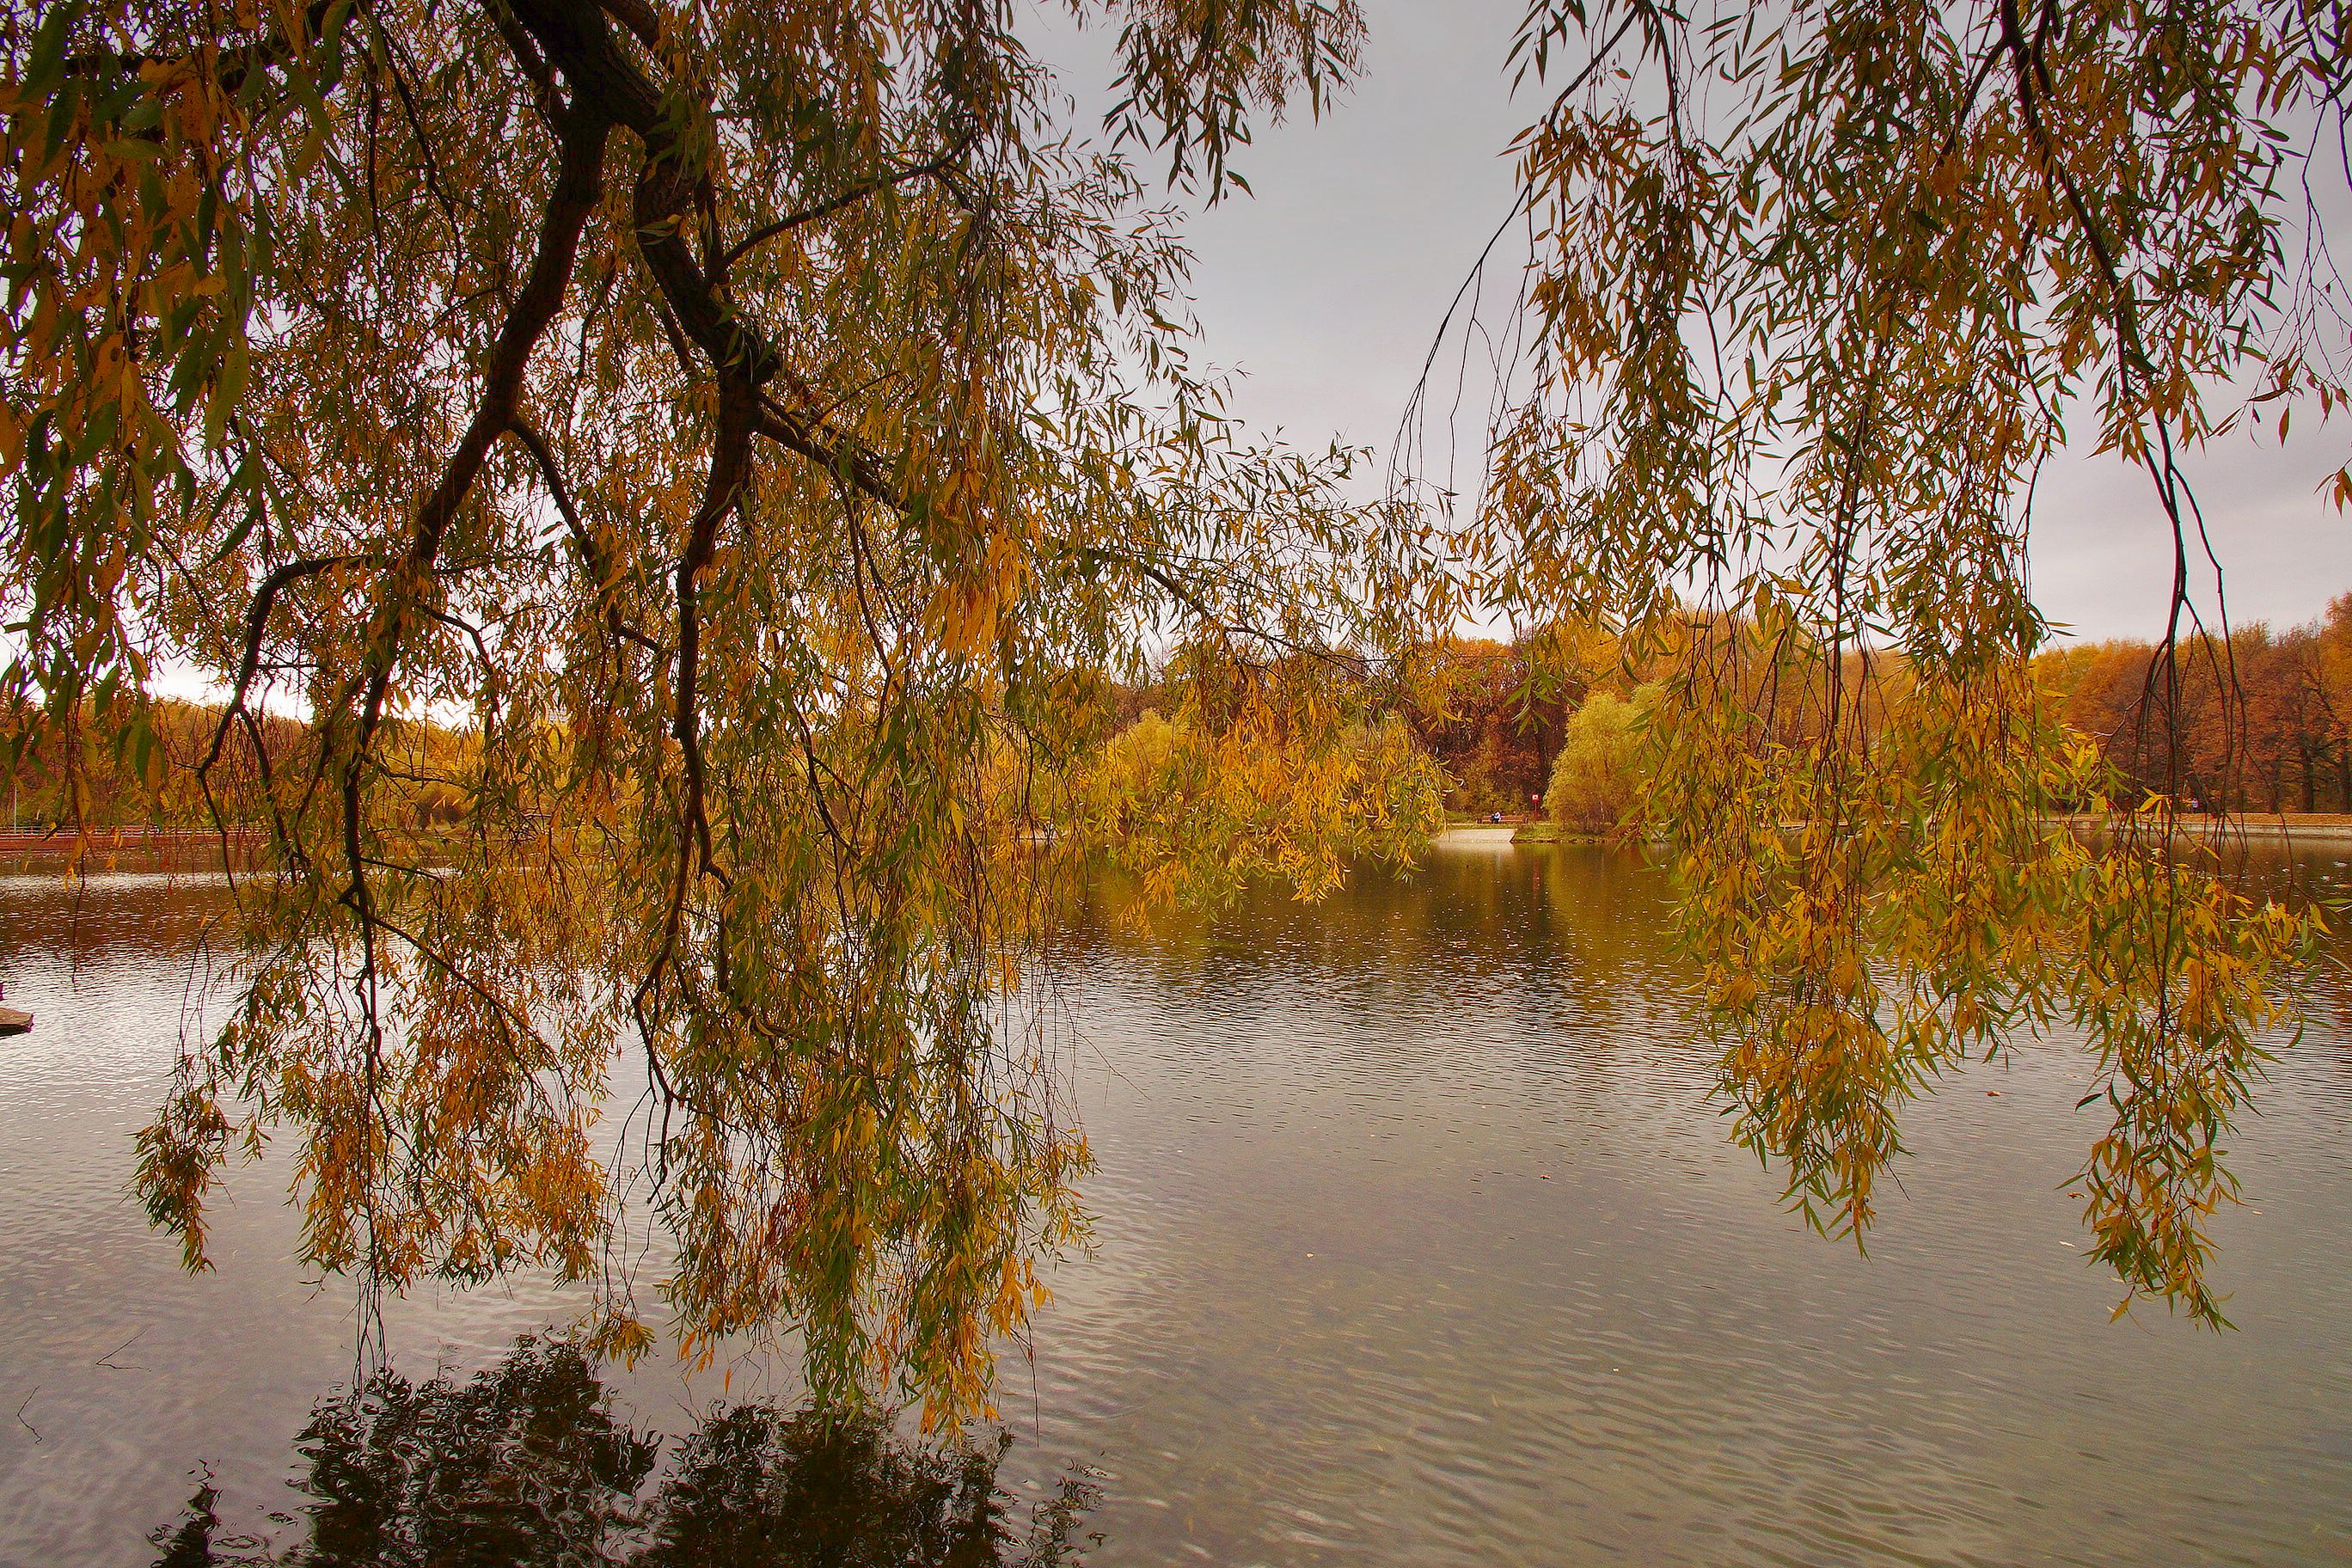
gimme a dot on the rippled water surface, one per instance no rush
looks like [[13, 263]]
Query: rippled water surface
[[1419, 1242]]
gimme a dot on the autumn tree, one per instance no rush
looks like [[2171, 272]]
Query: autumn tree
[[1594, 778], [1810, 294], [1162, 788], [2253, 721], [762, 432], [2329, 678], [1473, 705]]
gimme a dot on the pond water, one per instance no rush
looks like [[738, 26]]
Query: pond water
[[1418, 1241]]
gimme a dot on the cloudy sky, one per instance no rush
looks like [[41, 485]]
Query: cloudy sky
[[1325, 290]]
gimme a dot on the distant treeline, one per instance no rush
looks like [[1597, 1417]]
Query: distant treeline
[[2258, 721], [1492, 713], [2264, 718], [141, 766], [2263, 724]]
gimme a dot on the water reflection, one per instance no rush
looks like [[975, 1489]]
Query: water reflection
[[1418, 1243], [525, 1464]]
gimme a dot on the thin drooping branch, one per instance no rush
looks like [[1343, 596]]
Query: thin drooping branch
[[730, 467], [2131, 363], [257, 625], [593, 556], [847, 199]]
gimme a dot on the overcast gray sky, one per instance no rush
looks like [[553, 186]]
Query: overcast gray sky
[[1325, 290]]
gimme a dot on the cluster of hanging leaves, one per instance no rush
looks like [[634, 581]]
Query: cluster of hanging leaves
[[761, 431], [1813, 290]]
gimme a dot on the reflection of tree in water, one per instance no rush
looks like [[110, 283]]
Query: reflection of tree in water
[[524, 1465], [758, 1485]]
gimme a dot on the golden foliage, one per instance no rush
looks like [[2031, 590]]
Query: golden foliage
[[1298, 803], [1813, 291], [1596, 775]]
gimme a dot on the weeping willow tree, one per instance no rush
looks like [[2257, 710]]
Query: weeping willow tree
[[1812, 293], [764, 430]]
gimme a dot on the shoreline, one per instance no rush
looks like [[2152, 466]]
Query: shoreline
[[2268, 828]]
